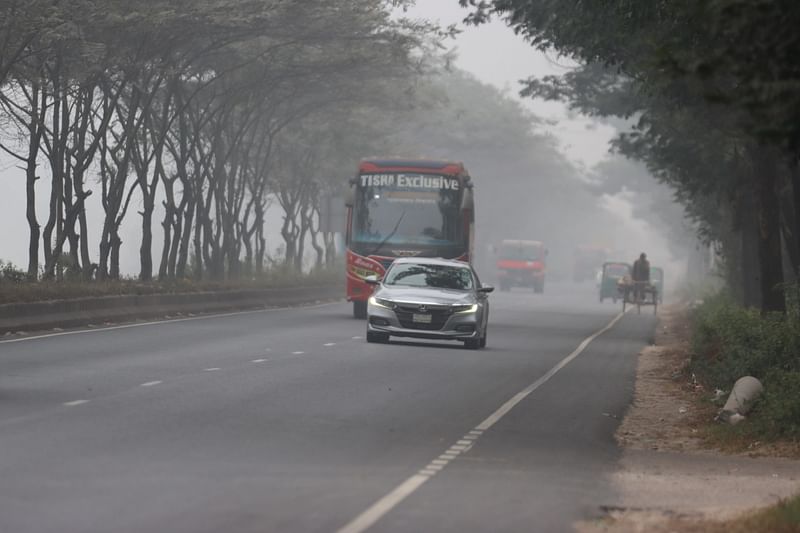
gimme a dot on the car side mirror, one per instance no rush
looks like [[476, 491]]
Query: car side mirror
[[486, 289], [372, 280]]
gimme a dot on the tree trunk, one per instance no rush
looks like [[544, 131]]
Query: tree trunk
[[115, 245], [748, 251], [769, 233], [146, 248], [795, 181], [56, 185], [183, 253], [38, 100]]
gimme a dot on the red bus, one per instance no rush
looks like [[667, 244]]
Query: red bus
[[405, 208]]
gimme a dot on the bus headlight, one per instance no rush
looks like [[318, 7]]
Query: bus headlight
[[465, 309]]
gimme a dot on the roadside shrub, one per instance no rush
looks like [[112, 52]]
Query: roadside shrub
[[11, 274], [729, 342], [777, 414]]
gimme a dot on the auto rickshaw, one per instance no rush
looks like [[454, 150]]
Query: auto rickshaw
[[612, 273], [657, 279]]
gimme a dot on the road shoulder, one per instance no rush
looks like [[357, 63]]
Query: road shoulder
[[668, 479]]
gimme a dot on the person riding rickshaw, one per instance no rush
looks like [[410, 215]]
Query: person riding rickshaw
[[613, 272]]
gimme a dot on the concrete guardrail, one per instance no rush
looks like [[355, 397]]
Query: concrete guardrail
[[16, 317]]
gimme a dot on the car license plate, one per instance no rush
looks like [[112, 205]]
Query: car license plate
[[422, 319]]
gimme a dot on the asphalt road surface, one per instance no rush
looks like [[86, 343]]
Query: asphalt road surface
[[287, 420]]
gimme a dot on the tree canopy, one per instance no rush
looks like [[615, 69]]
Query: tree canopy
[[711, 86]]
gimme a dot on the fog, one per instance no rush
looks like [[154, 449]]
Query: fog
[[538, 167]]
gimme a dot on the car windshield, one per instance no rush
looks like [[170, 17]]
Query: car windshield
[[435, 276]]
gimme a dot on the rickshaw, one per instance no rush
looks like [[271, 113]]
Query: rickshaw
[[657, 279], [638, 293], [612, 273]]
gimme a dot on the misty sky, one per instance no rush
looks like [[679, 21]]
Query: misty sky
[[492, 52], [496, 55]]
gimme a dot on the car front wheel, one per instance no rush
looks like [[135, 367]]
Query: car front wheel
[[472, 344]]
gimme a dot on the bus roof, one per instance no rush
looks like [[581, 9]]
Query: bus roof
[[413, 165]]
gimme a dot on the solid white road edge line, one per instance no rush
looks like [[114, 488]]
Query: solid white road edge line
[[378, 510], [167, 321]]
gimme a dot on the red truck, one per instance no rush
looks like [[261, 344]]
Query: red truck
[[521, 264]]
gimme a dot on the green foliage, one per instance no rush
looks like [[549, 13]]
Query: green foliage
[[778, 412], [784, 517], [11, 274], [730, 341], [713, 88]]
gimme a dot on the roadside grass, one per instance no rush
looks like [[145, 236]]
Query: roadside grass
[[728, 342], [22, 291], [781, 518]]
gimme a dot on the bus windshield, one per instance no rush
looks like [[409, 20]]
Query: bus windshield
[[388, 214]]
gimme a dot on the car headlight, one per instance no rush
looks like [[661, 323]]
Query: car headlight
[[465, 309], [380, 302]]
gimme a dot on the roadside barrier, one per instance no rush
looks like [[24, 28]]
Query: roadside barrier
[[37, 316]]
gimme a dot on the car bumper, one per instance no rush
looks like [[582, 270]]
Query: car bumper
[[388, 323]]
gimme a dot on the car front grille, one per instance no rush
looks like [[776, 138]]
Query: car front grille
[[405, 314]]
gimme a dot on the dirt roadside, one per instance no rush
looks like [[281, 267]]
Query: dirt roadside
[[668, 480]]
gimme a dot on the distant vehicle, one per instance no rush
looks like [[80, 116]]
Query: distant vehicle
[[521, 264], [612, 273], [657, 280], [436, 299], [587, 260], [400, 208]]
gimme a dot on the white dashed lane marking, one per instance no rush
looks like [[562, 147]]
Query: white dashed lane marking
[[75, 402], [329, 344], [151, 384], [356, 338], [378, 510], [298, 353], [260, 360], [214, 369]]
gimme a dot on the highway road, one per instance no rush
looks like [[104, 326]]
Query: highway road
[[287, 420]]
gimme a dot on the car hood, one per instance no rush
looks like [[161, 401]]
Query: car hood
[[425, 295]]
